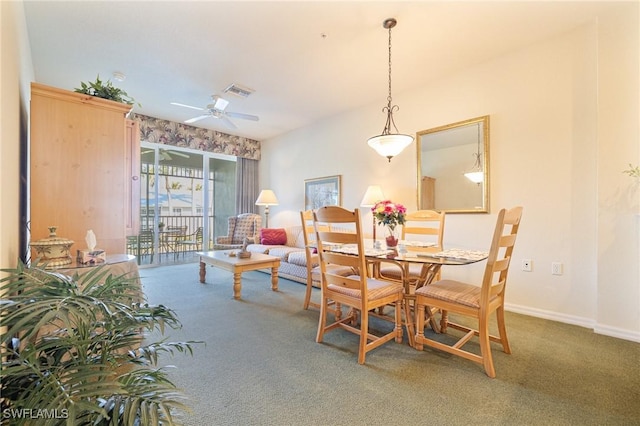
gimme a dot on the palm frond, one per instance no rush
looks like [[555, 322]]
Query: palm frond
[[74, 343]]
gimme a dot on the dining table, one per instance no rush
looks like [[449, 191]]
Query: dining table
[[409, 253]]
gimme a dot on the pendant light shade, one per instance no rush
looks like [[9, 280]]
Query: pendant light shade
[[476, 175], [390, 144]]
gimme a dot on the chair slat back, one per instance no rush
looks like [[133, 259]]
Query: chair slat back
[[504, 239], [331, 215], [425, 222]]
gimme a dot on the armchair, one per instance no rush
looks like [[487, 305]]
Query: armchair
[[245, 225]]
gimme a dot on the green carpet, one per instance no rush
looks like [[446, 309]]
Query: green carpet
[[261, 366]]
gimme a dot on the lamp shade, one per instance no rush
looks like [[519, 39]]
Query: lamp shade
[[390, 145], [267, 198], [475, 177], [372, 196]]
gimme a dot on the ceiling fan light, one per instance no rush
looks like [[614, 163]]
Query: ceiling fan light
[[390, 145], [220, 103]]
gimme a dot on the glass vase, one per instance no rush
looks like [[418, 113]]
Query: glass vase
[[391, 238]]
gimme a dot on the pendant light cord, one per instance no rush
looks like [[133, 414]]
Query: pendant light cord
[[389, 109]]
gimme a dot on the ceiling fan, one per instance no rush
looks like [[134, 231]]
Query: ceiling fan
[[217, 110], [165, 156]]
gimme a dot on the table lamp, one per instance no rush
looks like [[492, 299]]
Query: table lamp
[[371, 197], [267, 198]]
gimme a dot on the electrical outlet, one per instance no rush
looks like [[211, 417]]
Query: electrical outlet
[[527, 265], [556, 268]]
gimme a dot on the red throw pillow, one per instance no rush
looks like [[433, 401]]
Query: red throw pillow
[[273, 236]]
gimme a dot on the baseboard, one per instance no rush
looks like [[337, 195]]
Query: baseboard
[[619, 333]]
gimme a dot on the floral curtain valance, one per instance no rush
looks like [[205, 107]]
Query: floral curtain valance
[[171, 133]]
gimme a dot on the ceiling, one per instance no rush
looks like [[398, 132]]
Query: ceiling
[[305, 60]]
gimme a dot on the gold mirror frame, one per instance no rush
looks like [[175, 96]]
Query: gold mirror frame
[[452, 150]]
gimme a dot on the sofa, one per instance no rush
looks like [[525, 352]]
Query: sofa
[[288, 245]]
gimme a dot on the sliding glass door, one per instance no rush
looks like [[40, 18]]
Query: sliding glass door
[[185, 195]]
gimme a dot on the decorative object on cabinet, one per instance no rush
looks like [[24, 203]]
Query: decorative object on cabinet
[[390, 144], [320, 192], [53, 251], [105, 90]]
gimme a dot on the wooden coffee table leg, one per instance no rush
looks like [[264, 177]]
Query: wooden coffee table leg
[[203, 271], [237, 284], [274, 278]]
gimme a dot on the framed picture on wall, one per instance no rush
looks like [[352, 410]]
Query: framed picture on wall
[[324, 191]]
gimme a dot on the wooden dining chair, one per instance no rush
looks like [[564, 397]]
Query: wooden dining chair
[[470, 300], [421, 225], [313, 262], [359, 291]]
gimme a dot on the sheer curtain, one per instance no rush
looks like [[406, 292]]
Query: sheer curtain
[[247, 185]]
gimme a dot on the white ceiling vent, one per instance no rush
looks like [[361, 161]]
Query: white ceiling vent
[[238, 90]]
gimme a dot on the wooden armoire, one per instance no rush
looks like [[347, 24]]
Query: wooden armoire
[[84, 166]]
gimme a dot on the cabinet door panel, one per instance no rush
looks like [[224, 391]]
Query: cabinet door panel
[[78, 168]]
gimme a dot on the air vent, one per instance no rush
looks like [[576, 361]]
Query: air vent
[[238, 90]]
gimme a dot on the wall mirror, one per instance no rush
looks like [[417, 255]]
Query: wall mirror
[[453, 167]]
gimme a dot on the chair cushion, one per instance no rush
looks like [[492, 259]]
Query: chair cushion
[[332, 269], [300, 258], [273, 236], [453, 291], [396, 273], [376, 289]]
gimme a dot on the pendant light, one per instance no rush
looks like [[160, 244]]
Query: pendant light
[[390, 144], [476, 175]]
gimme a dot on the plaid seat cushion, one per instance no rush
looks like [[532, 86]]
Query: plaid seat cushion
[[377, 289], [396, 273], [453, 291], [332, 269]]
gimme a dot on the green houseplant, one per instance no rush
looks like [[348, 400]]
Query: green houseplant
[[73, 351], [632, 171], [104, 90]]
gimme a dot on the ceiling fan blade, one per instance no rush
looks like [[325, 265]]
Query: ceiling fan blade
[[187, 106], [177, 153], [242, 116], [194, 119], [228, 122]]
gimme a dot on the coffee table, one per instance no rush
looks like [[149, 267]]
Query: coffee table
[[224, 260]]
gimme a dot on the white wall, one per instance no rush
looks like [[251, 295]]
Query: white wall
[[16, 72], [550, 151]]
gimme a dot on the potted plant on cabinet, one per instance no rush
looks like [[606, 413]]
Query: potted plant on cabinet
[[72, 351], [104, 90]]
